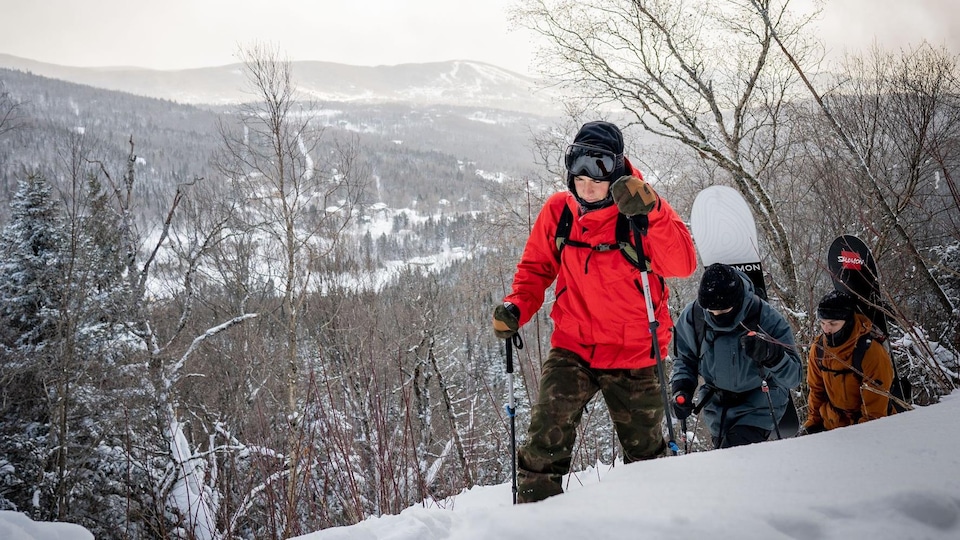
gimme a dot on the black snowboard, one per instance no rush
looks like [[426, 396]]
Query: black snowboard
[[854, 271]]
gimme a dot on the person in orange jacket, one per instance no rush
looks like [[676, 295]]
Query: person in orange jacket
[[840, 396], [601, 340]]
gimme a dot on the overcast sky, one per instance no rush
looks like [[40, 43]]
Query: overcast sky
[[175, 34]]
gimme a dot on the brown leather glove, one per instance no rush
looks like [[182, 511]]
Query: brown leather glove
[[634, 196], [506, 320]]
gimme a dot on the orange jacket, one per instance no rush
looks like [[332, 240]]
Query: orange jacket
[[837, 399], [599, 312]]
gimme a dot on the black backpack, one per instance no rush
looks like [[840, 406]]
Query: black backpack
[[900, 387]]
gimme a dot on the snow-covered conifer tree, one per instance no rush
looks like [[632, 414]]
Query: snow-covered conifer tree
[[30, 255]]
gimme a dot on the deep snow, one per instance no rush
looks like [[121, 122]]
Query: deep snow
[[894, 478]]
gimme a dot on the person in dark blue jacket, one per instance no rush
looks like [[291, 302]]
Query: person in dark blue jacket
[[734, 361]]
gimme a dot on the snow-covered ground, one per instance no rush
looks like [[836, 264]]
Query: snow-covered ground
[[17, 526], [895, 478]]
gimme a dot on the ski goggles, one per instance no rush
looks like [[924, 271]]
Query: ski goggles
[[590, 161]]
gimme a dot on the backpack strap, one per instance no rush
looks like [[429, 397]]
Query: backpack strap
[[562, 236], [858, 353], [631, 251], [859, 350], [563, 229], [699, 327], [820, 347]]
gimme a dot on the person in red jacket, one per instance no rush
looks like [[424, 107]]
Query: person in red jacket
[[601, 340]]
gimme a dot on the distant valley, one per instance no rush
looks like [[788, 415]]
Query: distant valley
[[445, 132]]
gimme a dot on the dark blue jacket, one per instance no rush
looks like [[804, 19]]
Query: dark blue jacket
[[724, 366]]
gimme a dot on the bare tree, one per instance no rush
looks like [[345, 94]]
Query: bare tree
[[899, 117], [9, 111], [922, 87], [697, 73], [82, 286], [160, 284], [299, 196]]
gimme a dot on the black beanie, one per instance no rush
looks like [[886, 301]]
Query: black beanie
[[720, 287], [602, 135], [836, 306]]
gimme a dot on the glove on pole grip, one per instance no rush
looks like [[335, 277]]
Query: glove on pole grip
[[506, 320]]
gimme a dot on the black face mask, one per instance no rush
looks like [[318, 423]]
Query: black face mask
[[840, 336], [725, 320], [597, 205]]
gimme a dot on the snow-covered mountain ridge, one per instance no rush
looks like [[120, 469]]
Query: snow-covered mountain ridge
[[455, 82]]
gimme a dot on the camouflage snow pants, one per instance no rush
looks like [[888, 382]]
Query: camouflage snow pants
[[566, 386]]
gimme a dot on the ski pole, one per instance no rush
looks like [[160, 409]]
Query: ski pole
[[683, 438], [512, 413], [766, 391], [681, 400], [655, 343], [760, 334]]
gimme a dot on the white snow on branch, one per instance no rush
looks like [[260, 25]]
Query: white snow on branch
[[200, 339]]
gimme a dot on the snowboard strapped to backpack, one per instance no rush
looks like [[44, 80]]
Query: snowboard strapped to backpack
[[853, 270]]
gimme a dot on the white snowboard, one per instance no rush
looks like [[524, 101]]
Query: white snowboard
[[724, 231]]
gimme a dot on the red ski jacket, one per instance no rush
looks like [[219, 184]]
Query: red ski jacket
[[600, 312]]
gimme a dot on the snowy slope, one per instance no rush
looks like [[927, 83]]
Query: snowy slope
[[895, 478]]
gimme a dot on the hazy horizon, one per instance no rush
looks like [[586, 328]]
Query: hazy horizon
[[183, 34]]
